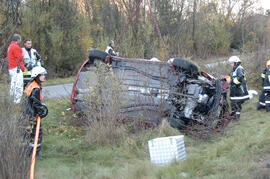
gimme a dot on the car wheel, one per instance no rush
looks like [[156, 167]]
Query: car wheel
[[185, 65], [175, 122], [219, 108], [97, 54]]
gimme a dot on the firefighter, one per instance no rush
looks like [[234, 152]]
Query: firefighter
[[238, 88], [264, 100], [31, 59], [110, 49], [34, 97]]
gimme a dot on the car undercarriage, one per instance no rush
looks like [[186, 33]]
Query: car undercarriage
[[191, 100]]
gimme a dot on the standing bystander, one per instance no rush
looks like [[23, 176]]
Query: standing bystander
[[31, 59], [15, 68]]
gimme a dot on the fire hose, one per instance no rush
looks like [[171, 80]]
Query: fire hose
[[32, 168], [43, 113]]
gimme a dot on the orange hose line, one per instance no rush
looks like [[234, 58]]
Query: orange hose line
[[32, 168]]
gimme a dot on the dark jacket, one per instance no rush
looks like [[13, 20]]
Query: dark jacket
[[33, 91], [238, 84], [266, 79]]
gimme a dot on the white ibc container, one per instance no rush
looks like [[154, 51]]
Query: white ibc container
[[165, 150]]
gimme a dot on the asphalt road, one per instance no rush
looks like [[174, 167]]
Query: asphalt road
[[212, 65], [57, 91]]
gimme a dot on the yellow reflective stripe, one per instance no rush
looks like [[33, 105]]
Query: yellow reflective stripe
[[26, 72], [235, 80], [38, 63], [263, 75]]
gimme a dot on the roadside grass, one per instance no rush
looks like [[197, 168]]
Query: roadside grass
[[56, 81], [241, 152]]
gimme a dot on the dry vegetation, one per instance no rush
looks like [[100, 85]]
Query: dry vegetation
[[14, 160], [103, 109]]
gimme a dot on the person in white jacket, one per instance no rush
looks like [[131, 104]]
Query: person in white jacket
[[110, 49], [31, 59]]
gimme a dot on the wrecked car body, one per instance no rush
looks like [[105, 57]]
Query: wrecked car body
[[174, 89]]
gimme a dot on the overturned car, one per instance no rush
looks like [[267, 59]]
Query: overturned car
[[175, 89]]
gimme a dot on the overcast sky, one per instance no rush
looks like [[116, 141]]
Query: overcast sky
[[266, 4]]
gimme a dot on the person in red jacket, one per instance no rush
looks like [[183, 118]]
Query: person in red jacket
[[15, 68]]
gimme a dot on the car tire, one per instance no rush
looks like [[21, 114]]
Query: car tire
[[97, 54], [177, 123], [213, 112], [174, 122], [185, 65]]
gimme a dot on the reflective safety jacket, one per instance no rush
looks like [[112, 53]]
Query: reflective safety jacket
[[238, 84], [30, 59], [34, 94], [266, 79], [110, 51]]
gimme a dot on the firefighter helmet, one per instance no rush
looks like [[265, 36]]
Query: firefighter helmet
[[234, 59], [268, 63], [111, 42], [38, 71]]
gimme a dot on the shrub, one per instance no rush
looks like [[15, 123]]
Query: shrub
[[14, 162], [254, 64], [104, 109], [3, 69]]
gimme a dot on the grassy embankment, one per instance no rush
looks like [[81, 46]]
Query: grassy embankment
[[242, 152]]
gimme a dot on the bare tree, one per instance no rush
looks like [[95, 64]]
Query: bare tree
[[11, 13], [194, 25]]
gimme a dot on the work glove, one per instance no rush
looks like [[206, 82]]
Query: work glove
[[43, 110], [37, 55], [42, 63], [18, 68], [29, 66]]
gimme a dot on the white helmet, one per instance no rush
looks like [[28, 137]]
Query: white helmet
[[233, 59], [155, 59], [38, 71]]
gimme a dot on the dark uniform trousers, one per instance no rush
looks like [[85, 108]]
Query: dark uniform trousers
[[32, 137], [238, 91], [264, 99]]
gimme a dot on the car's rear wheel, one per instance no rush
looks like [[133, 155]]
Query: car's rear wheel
[[175, 121], [97, 54], [185, 65]]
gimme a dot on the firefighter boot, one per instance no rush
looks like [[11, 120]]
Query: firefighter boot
[[267, 108], [237, 117], [38, 156], [233, 116], [259, 106], [267, 101]]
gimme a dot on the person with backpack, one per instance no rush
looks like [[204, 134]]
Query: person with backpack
[[35, 107], [264, 99]]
